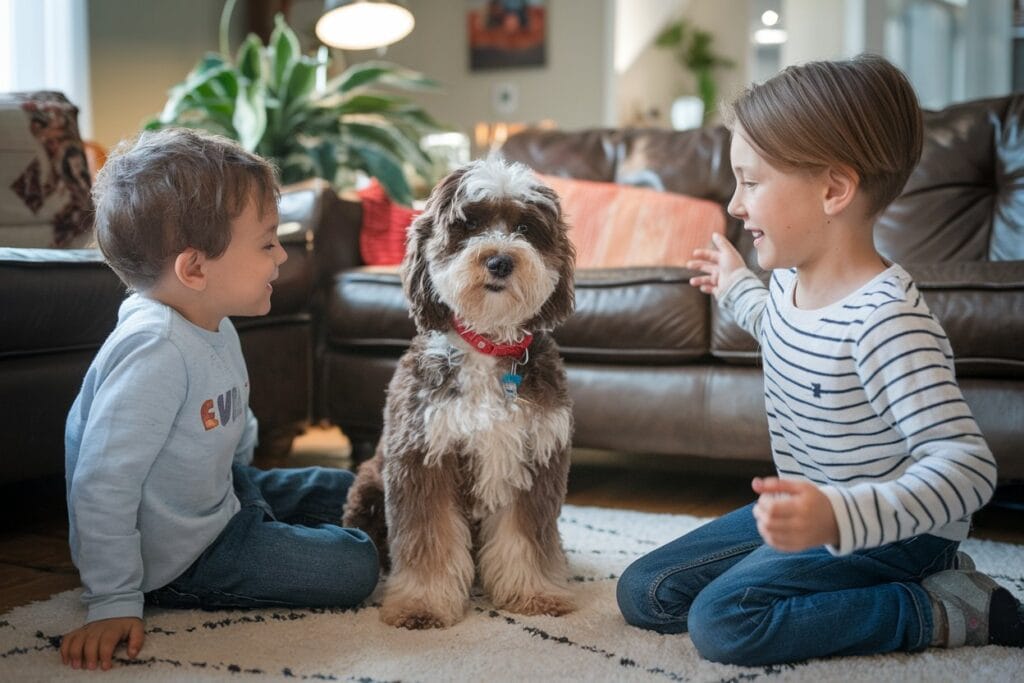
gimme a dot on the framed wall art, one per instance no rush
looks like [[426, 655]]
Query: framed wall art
[[506, 34]]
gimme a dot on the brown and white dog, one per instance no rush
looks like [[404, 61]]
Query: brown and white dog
[[474, 456]]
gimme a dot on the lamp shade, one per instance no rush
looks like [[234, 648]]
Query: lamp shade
[[363, 24]]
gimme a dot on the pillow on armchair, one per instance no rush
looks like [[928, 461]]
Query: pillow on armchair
[[44, 173], [382, 234], [619, 226]]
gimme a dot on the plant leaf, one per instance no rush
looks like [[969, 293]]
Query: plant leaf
[[384, 167], [284, 50], [250, 117], [385, 73], [250, 59], [267, 99], [196, 79], [301, 80], [672, 36], [388, 138]]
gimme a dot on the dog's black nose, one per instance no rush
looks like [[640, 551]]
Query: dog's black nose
[[500, 265]]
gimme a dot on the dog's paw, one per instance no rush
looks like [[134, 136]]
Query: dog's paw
[[541, 603], [415, 617], [416, 621]]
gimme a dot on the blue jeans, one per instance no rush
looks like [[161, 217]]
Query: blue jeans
[[746, 603], [284, 547]]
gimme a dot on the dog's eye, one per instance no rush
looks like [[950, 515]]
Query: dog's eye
[[522, 228], [470, 224]]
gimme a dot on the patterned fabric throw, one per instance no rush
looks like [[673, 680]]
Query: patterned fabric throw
[[44, 174]]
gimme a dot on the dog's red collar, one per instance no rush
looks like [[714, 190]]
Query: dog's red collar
[[484, 345]]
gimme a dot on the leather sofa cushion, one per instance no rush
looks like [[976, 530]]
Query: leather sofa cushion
[[980, 306], [636, 315], [64, 299], [963, 200], [629, 315], [55, 299], [366, 308]]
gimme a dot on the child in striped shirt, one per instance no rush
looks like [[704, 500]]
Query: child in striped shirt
[[852, 549]]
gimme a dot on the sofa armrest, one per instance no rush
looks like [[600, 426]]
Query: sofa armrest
[[55, 299], [337, 239]]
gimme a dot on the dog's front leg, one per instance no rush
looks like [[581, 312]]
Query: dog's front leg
[[430, 540], [522, 564]]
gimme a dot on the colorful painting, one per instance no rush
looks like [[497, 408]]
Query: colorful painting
[[506, 34]]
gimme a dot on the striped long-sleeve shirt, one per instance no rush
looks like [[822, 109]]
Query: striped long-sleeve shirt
[[862, 400]]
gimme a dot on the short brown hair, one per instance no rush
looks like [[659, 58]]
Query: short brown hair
[[171, 189], [861, 113]]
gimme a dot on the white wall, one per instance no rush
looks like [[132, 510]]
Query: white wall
[[138, 50], [815, 30], [646, 89], [571, 89]]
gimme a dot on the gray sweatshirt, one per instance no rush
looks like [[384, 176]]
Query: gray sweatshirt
[[149, 443]]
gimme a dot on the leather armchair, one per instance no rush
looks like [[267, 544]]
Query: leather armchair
[[57, 306]]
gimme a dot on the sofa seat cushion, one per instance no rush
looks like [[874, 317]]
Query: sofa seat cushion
[[650, 316], [630, 315]]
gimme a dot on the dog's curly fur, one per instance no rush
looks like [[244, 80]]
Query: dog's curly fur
[[467, 477]]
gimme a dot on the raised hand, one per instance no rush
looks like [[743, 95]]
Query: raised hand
[[720, 266]]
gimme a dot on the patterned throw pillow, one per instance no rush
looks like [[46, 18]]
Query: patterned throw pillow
[[617, 226], [44, 174]]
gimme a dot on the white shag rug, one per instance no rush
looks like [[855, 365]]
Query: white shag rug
[[592, 644]]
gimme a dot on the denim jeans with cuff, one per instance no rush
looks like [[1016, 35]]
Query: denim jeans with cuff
[[746, 603], [284, 547]]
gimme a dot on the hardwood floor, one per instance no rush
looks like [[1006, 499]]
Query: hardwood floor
[[35, 562]]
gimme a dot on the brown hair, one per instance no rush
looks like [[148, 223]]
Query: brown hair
[[171, 189], [861, 113]]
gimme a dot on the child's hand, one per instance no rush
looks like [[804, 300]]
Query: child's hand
[[793, 515], [721, 266], [96, 641]]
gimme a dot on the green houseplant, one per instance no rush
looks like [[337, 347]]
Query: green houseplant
[[267, 100], [693, 50]]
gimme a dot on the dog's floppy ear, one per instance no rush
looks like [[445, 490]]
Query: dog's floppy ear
[[427, 309], [562, 302]]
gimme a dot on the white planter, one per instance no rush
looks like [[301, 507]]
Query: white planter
[[687, 112]]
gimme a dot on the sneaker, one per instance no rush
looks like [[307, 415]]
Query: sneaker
[[970, 608], [963, 561]]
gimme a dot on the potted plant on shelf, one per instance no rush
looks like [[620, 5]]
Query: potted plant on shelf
[[266, 98], [693, 50]]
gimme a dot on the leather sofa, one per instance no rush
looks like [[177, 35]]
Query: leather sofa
[[57, 306], [654, 366]]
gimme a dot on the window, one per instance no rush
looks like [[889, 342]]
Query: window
[[44, 46]]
